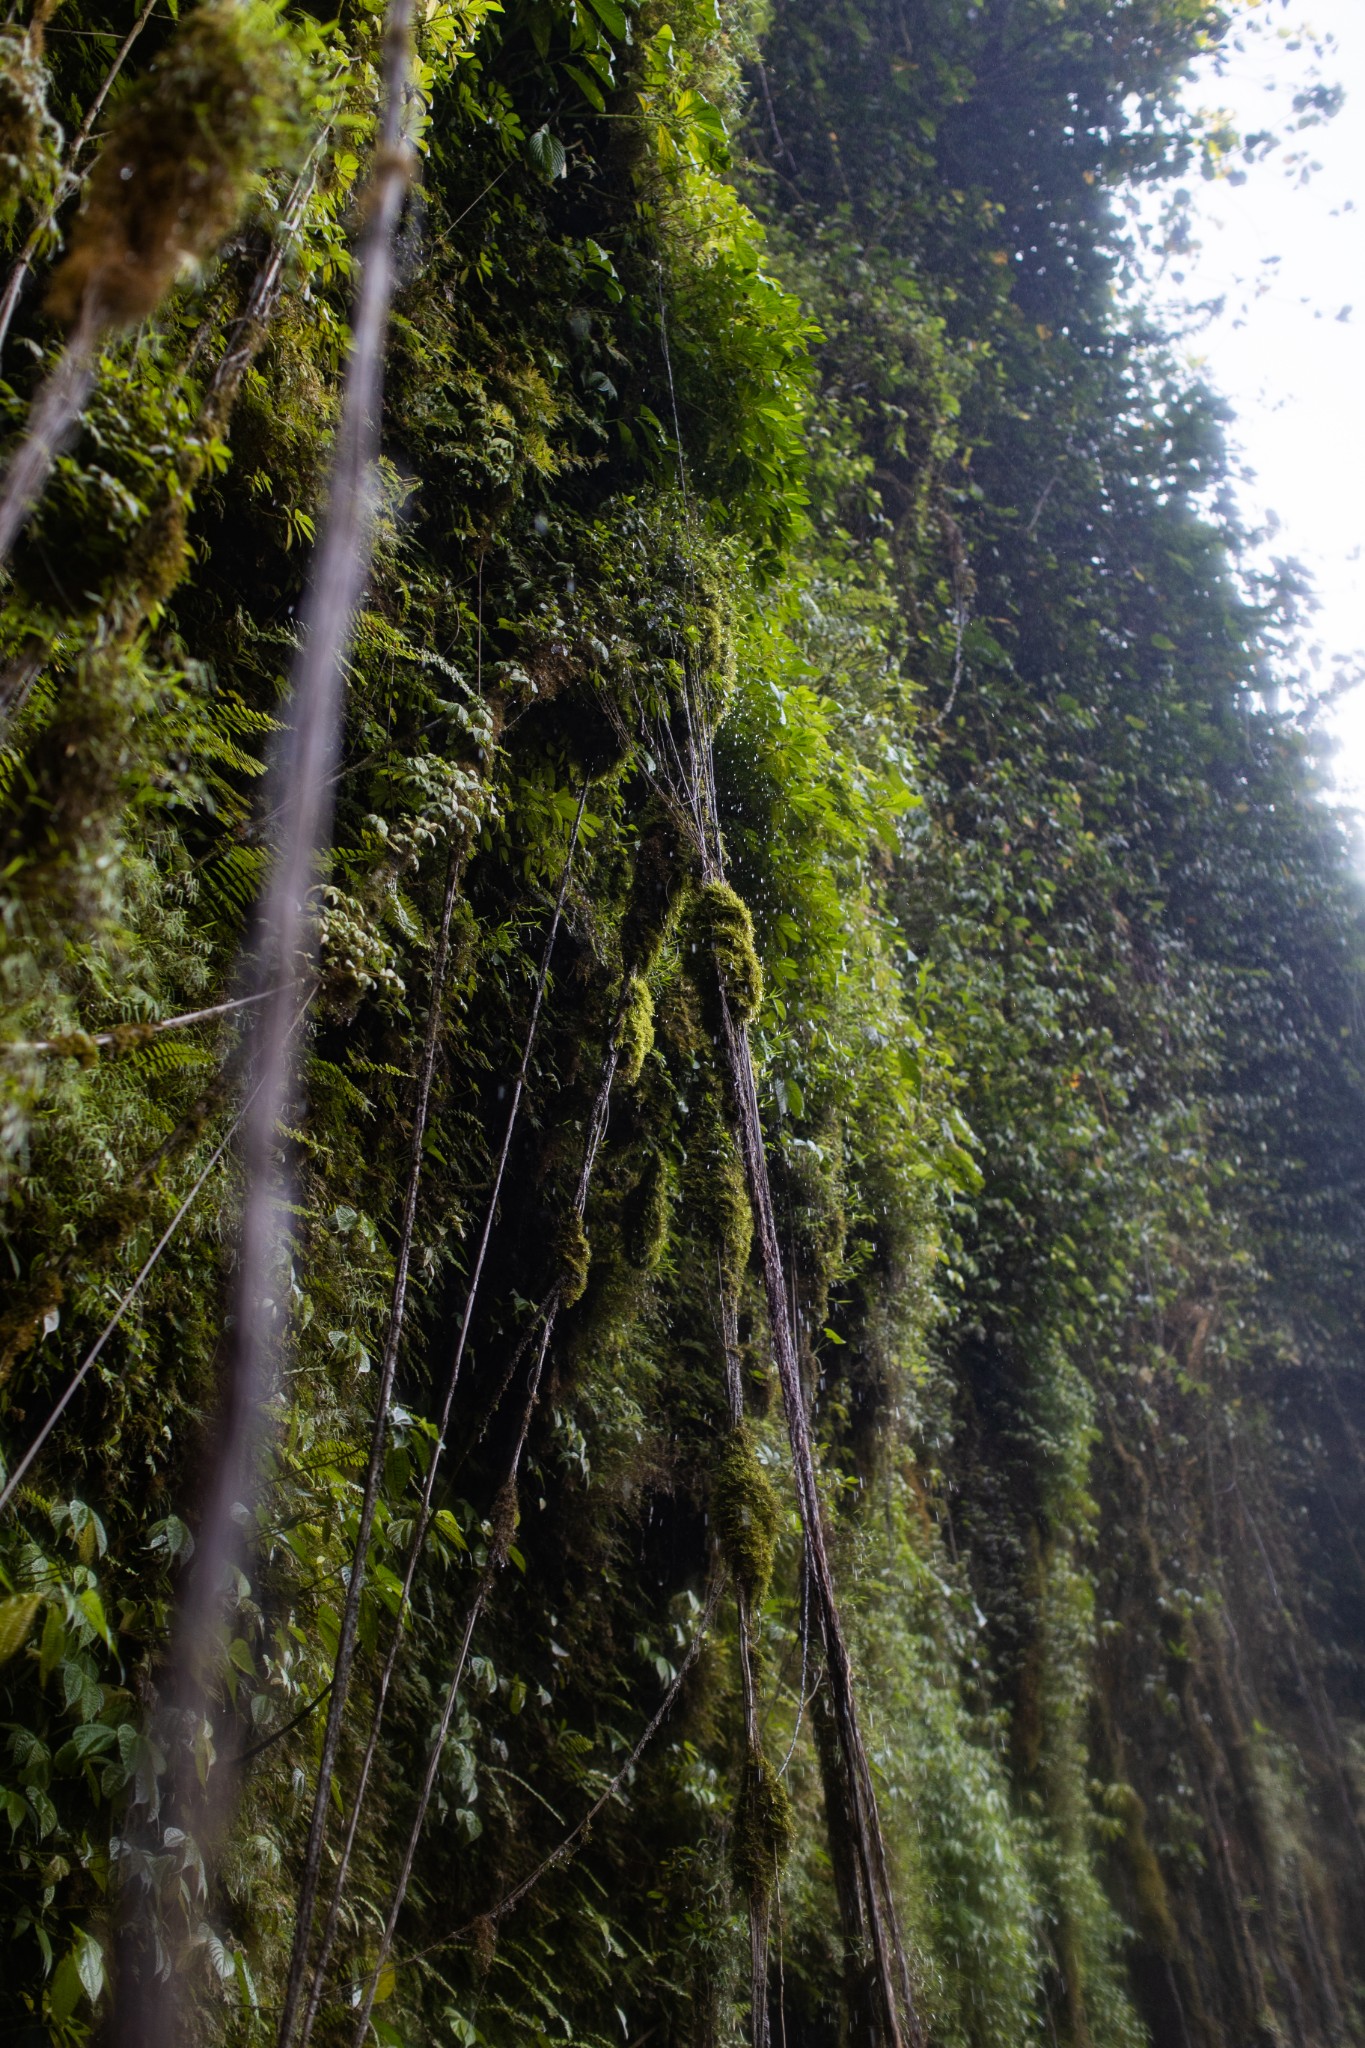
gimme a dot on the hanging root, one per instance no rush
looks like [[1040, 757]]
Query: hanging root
[[169, 184], [722, 937], [343, 561], [723, 964], [69, 180], [422, 1523], [80, 766], [73, 1385], [85, 1045], [893, 1976], [481, 1932], [574, 1256], [106, 1233], [54, 412], [504, 1517], [745, 1510], [350, 1619]]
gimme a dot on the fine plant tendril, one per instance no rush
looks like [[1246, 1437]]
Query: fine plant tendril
[[422, 1521], [73, 1385], [306, 766], [504, 1514], [695, 782], [341, 1667]]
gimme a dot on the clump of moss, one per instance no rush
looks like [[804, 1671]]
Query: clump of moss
[[635, 1040], [174, 175], [759, 1387], [807, 1186], [721, 937], [58, 845], [663, 862], [76, 1045], [732, 1217], [717, 1196], [678, 1024], [29, 137], [646, 1219], [25, 1317], [1149, 1884], [158, 557], [574, 1258], [763, 1827], [131, 1037], [485, 1943], [745, 1511], [503, 1520]]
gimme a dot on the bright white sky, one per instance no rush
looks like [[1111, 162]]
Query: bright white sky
[[1288, 255]]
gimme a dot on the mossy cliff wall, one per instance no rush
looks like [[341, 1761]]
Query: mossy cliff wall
[[763, 448]]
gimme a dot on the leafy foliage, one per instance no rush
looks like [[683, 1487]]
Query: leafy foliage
[[763, 372]]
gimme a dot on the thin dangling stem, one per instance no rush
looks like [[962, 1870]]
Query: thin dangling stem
[[75, 1043], [422, 1521], [892, 1969], [697, 795], [69, 181], [350, 1617], [562, 1853], [894, 1988], [245, 339], [343, 562], [248, 330], [73, 1385], [55, 410], [504, 1517], [803, 1697], [758, 1899], [518, 1089], [342, 565]]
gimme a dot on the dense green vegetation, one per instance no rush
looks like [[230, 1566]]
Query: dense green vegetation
[[808, 635]]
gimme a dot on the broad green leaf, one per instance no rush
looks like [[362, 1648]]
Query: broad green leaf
[[16, 1619], [92, 1607], [54, 1643], [546, 152], [611, 16]]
